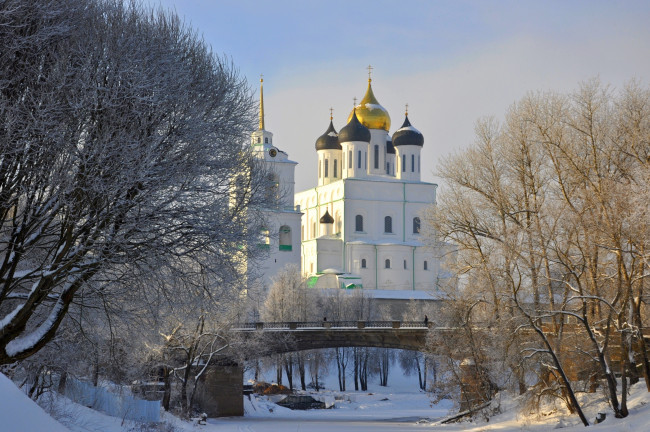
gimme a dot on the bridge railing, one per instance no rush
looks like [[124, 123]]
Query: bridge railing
[[296, 325]]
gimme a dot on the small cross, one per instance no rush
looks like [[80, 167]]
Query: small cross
[[355, 101], [331, 115], [407, 109], [369, 72], [261, 77]]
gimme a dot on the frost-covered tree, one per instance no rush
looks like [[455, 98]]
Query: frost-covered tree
[[120, 136]]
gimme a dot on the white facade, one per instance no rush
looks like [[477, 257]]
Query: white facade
[[377, 202]]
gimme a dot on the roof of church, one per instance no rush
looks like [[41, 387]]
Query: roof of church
[[327, 218], [329, 140], [354, 130], [408, 135], [370, 113]]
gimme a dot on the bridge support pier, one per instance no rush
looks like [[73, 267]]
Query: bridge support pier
[[220, 391]]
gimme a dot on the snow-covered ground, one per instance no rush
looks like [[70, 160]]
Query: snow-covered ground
[[397, 408]]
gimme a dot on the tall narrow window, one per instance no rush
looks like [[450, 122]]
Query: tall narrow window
[[326, 167], [285, 238], [335, 168], [359, 159], [405, 267], [388, 224], [365, 160], [387, 263], [350, 159], [358, 223], [412, 163], [266, 140], [426, 265], [403, 164], [376, 156], [387, 168], [418, 163], [259, 140], [363, 263], [416, 225]]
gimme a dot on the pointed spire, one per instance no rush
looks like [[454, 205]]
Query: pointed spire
[[261, 102]]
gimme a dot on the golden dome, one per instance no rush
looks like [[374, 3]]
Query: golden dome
[[370, 113]]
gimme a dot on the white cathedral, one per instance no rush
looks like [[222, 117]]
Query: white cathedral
[[360, 226]]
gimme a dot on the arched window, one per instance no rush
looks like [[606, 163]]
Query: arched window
[[387, 263], [376, 156], [266, 140], [335, 168], [363, 263], [350, 159], [326, 167], [359, 159], [403, 164], [259, 140], [388, 224], [358, 223], [416, 225], [426, 265], [405, 267], [285, 238]]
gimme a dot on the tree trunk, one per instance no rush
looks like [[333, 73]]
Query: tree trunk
[[288, 368], [278, 371], [301, 371], [62, 381], [167, 388]]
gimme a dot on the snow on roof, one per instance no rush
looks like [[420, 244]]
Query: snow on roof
[[409, 128]]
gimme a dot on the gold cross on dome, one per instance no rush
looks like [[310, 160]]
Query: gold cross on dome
[[355, 101], [370, 68], [407, 109], [331, 115], [261, 77]]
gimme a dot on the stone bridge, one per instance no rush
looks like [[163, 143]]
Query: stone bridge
[[299, 336], [221, 392]]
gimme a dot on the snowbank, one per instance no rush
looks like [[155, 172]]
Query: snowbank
[[20, 413]]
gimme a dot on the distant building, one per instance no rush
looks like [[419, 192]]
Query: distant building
[[361, 225]]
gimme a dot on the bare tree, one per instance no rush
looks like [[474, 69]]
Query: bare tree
[[540, 212]]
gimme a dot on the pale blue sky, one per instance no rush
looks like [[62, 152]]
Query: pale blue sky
[[451, 61]]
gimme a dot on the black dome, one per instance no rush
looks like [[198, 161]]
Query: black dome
[[390, 148], [327, 218], [329, 140], [408, 135], [354, 131]]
